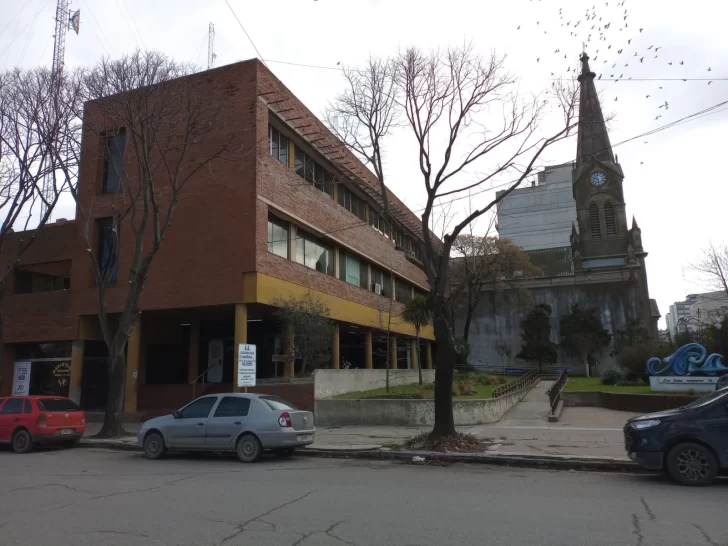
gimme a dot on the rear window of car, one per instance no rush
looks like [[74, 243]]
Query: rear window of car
[[57, 404], [277, 403]]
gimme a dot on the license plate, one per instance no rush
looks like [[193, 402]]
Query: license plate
[[67, 431], [305, 437]]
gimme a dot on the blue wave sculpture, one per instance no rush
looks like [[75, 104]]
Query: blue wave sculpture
[[688, 359]]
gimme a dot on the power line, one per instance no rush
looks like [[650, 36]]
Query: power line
[[95, 22], [12, 20], [245, 31], [32, 21]]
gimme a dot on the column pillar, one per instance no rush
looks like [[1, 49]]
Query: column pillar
[[413, 356], [74, 387], [133, 351], [335, 355], [240, 336], [289, 368], [392, 352], [428, 355], [368, 351], [193, 362]]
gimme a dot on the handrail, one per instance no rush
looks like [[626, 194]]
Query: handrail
[[554, 392], [194, 381], [526, 380]]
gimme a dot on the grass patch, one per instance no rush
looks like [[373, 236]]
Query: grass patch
[[479, 391], [593, 384]]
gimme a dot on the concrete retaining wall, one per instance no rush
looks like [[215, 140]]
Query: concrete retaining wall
[[637, 403], [411, 413], [328, 383]]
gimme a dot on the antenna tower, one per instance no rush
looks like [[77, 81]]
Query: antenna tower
[[210, 47]]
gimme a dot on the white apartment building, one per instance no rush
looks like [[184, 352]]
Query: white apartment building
[[697, 309]]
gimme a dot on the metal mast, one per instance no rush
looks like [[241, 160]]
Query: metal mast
[[65, 21], [210, 47]]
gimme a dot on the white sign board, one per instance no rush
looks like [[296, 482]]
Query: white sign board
[[246, 365], [682, 383], [215, 351], [21, 379]]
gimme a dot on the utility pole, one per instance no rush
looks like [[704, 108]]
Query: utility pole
[[211, 47], [65, 21]]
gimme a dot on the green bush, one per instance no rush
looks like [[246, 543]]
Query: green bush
[[633, 360], [428, 386], [611, 377], [483, 379]]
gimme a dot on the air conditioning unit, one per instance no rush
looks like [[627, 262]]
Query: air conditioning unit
[[377, 288]]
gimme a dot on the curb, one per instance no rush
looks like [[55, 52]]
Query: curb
[[556, 462]]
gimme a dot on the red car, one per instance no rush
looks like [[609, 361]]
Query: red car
[[29, 420]]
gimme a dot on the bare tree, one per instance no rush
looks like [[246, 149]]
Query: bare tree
[[162, 133], [450, 97], [714, 267], [39, 135]]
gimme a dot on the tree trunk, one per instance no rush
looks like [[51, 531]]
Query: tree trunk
[[389, 352], [444, 369], [417, 354], [114, 411], [586, 366], [466, 326]]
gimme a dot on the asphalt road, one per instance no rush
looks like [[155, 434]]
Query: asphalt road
[[98, 497]]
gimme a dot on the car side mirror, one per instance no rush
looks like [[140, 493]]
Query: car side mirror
[[177, 414]]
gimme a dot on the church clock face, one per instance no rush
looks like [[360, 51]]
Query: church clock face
[[597, 179]]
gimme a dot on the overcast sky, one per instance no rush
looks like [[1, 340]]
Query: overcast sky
[[673, 184]]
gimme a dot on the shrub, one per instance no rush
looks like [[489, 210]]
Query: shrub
[[428, 386], [633, 360], [463, 388], [483, 379], [497, 380], [611, 377]]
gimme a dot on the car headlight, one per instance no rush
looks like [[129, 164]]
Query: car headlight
[[641, 425]]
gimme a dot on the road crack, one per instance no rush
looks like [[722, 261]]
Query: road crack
[[649, 511], [31, 487], [637, 529], [165, 484], [706, 536], [241, 526], [330, 532]]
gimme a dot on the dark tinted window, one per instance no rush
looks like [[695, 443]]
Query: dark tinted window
[[27, 407], [277, 403], [233, 406], [114, 145], [57, 404], [199, 409], [12, 406]]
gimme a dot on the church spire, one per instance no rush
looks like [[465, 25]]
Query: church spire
[[592, 140]]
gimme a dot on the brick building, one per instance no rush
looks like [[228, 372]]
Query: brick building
[[293, 213]]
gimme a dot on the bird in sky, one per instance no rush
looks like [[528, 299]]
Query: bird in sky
[[651, 47], [710, 82], [670, 64], [642, 59], [615, 99], [641, 30], [647, 97], [519, 27], [538, 59], [682, 62], [709, 69]]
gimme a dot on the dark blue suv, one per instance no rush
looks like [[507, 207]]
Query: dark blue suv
[[690, 442]]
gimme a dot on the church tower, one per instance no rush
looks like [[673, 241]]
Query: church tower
[[603, 238]]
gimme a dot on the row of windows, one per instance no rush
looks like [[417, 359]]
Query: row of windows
[[610, 222], [309, 169], [316, 254]]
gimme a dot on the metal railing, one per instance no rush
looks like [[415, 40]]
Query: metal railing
[[202, 375], [525, 380], [554, 392]]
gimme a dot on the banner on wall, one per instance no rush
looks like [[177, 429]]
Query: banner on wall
[[21, 378], [215, 353]]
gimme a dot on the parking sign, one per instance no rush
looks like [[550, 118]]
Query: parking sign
[[246, 365]]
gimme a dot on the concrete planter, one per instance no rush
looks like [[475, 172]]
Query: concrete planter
[[328, 383], [637, 403], [411, 413]]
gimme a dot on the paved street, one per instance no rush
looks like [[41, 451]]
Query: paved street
[[98, 497]]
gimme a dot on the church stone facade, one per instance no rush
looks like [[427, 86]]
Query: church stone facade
[[604, 266]]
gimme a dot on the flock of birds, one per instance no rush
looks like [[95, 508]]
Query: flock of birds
[[601, 33]]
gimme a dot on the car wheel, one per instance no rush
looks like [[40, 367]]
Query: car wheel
[[692, 464], [22, 442], [284, 453], [249, 448], [154, 447]]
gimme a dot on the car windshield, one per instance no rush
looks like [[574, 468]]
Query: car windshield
[[700, 402], [277, 403], [57, 404]]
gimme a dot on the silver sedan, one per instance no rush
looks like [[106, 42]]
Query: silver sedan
[[245, 423]]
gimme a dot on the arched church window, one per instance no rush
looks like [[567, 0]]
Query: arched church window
[[609, 218], [596, 231]]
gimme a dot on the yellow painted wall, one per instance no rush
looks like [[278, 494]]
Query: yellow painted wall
[[262, 288]]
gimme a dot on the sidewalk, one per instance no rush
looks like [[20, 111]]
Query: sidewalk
[[581, 432]]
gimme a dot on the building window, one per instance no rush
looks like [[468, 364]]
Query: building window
[[114, 144], [308, 169], [352, 202], [353, 270], [277, 237], [383, 280], [596, 230], [378, 223], [402, 291], [108, 254], [313, 253], [278, 145], [609, 218]]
